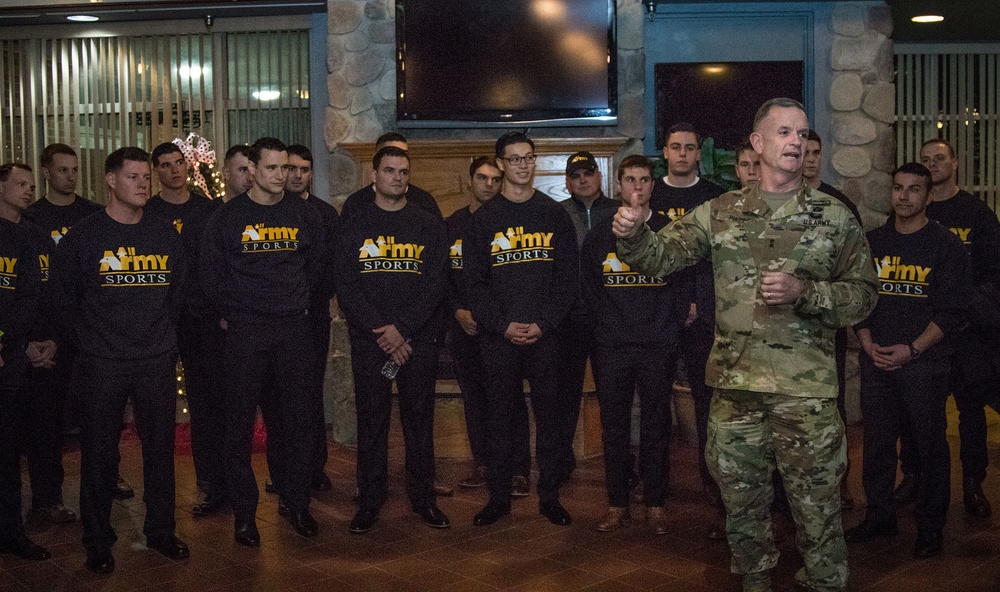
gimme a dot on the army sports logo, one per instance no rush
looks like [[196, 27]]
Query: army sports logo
[[7, 272], [618, 274], [43, 265], [178, 224], [900, 279], [518, 246], [384, 254], [962, 233], [126, 267], [58, 234], [673, 213], [455, 254], [261, 238]]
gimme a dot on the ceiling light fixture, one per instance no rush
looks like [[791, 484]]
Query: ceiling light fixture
[[927, 18], [83, 18]]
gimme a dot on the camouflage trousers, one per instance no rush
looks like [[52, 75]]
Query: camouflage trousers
[[749, 435]]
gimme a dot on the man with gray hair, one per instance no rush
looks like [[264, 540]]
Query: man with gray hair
[[790, 265]]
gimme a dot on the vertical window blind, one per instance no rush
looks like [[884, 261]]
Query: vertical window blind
[[954, 96], [101, 93]]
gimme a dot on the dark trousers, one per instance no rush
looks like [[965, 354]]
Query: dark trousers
[[13, 402], [373, 392], [151, 383], [912, 396], [576, 345], [277, 442], [696, 345], [625, 370], [202, 346], [46, 415], [258, 350], [471, 376], [507, 365], [971, 380]]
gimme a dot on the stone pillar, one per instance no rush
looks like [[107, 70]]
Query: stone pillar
[[863, 99]]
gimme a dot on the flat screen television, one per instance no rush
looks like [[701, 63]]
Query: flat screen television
[[469, 63], [721, 98]]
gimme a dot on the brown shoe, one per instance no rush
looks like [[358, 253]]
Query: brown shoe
[[657, 519], [476, 479], [615, 518], [519, 486]]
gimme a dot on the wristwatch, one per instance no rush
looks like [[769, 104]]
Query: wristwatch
[[914, 352]]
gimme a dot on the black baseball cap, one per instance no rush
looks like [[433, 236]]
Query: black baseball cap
[[581, 160]]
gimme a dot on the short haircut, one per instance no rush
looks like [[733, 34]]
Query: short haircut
[[388, 151], [635, 161], [745, 146], [480, 161], [511, 138], [815, 137], [6, 169], [683, 126], [300, 151], [776, 102], [914, 168], [389, 137], [50, 151], [237, 150], [163, 150], [116, 160], [263, 144], [943, 142]]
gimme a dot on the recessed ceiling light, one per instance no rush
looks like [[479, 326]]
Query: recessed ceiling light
[[266, 95], [927, 18], [83, 18]]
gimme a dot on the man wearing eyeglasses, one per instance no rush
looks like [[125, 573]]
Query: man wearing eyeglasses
[[522, 266]]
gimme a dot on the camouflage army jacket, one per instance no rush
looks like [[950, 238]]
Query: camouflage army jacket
[[785, 349]]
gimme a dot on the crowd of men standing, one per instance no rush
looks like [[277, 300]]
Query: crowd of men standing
[[751, 289]]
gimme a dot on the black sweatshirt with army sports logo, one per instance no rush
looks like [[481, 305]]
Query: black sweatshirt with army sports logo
[[56, 220], [626, 307], [457, 226], [262, 261], [390, 270], [120, 286], [972, 221], [521, 263], [20, 290], [190, 219], [923, 277]]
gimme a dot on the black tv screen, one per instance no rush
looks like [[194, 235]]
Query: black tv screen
[[475, 63], [721, 98]]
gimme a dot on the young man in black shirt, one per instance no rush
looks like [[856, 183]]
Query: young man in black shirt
[[23, 251], [117, 279], [298, 182], [391, 279], [673, 196], [263, 255], [485, 180], [55, 212], [636, 319], [973, 378], [199, 336], [521, 272], [923, 273]]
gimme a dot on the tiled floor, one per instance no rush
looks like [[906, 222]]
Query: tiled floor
[[523, 552]]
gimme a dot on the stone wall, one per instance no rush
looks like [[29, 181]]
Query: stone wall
[[361, 84], [863, 99]]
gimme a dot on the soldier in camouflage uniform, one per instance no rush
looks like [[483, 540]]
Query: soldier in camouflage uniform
[[791, 265]]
